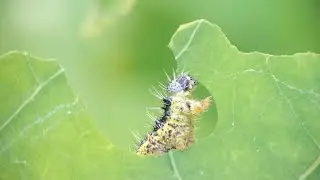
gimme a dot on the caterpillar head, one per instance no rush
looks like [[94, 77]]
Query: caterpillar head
[[182, 83]]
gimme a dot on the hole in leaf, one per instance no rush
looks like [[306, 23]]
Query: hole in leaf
[[208, 120]]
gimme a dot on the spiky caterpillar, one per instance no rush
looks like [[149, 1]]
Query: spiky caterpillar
[[175, 128]]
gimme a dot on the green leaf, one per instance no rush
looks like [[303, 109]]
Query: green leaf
[[268, 109], [267, 106], [46, 132]]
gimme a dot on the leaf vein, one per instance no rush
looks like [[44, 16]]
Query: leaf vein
[[174, 166], [190, 39], [29, 99]]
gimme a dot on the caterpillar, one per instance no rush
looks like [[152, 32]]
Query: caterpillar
[[174, 129]]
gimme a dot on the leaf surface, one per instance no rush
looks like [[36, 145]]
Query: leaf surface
[[268, 108], [47, 133]]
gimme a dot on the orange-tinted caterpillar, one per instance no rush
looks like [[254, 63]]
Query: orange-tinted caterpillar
[[175, 128]]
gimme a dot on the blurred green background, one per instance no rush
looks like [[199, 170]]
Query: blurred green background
[[114, 51]]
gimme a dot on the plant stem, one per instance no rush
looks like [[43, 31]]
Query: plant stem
[[174, 166]]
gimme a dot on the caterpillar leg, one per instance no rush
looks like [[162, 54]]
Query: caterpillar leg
[[206, 102], [201, 106]]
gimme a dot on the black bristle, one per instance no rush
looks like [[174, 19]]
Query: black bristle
[[163, 119], [158, 125], [167, 101], [167, 113]]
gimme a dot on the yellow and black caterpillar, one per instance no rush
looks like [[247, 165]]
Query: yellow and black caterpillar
[[175, 128]]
